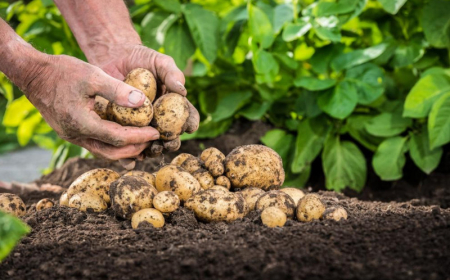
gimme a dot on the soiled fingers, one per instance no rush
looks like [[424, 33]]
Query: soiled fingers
[[110, 152]]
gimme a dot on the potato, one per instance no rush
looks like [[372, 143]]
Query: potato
[[171, 112], [251, 195], [277, 199], [101, 107], [335, 213], [84, 201], [176, 179], [213, 159], [166, 202], [192, 165], [254, 166], [143, 80], [150, 178], [64, 199], [294, 193], [152, 216], [12, 204], [309, 208], [178, 160], [221, 188], [95, 181], [217, 205], [223, 181], [205, 179], [273, 217], [44, 204], [125, 116]]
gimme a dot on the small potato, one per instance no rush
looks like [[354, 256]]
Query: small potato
[[192, 165], [205, 179], [101, 106], [223, 181], [64, 199], [176, 179], [277, 199], [217, 205], [294, 193], [251, 195], [221, 188], [178, 160], [130, 194], [335, 213], [170, 114], [144, 175], [12, 204], [85, 201], [273, 217], [125, 116], [149, 215], [254, 166], [213, 159], [143, 80], [44, 204], [95, 181], [166, 201], [309, 208]]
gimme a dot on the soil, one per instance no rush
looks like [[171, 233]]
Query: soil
[[379, 240]]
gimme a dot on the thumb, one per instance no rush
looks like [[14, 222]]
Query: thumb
[[120, 93]]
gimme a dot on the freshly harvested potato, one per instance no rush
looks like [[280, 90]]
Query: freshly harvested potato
[[294, 193], [125, 116], [217, 205], [277, 199], [221, 188], [64, 199], [178, 160], [95, 181], [213, 159], [84, 201], [309, 208], [12, 204], [143, 80], [101, 107], [166, 201], [205, 179], [44, 204], [171, 113], [223, 181], [176, 179], [335, 213], [192, 165], [251, 195], [273, 217], [144, 175], [149, 215], [130, 194], [254, 166]]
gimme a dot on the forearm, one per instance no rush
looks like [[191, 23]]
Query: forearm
[[98, 26]]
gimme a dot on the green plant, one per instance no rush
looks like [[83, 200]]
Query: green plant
[[11, 231]]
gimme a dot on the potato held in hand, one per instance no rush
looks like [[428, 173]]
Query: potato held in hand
[[279, 200], [12, 204], [170, 114], [176, 179], [143, 80], [125, 116]]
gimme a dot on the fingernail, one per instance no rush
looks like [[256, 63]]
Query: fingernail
[[155, 137], [181, 85], [135, 96]]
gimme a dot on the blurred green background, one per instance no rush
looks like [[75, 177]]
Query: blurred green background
[[357, 83]]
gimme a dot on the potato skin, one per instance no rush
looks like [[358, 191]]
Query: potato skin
[[254, 166], [205, 179], [217, 205], [309, 208], [84, 201], [178, 160], [101, 107], [335, 213], [125, 116], [220, 188], [273, 217], [251, 195], [64, 199], [149, 215], [176, 179], [277, 199], [192, 165], [223, 181], [166, 202], [213, 159], [142, 174], [294, 193], [143, 80], [170, 114], [12, 204], [44, 204]]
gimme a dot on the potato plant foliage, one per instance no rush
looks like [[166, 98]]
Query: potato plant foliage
[[355, 82]]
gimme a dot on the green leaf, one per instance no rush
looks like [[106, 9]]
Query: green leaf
[[436, 23], [293, 31], [439, 122], [339, 102], [323, 56], [356, 128], [164, 27], [11, 231], [265, 63], [256, 110], [208, 129], [17, 111], [229, 103], [286, 60], [424, 93], [280, 141], [26, 128], [419, 149], [179, 44], [314, 84], [150, 25], [332, 34], [260, 27], [392, 6], [297, 180], [344, 165], [354, 58], [408, 53], [368, 80], [204, 26], [389, 158], [44, 142], [281, 14], [306, 104], [388, 124], [335, 8], [169, 5]]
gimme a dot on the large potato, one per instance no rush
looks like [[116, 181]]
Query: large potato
[[143, 80], [294, 193], [150, 178], [170, 114], [251, 195], [176, 179], [166, 202], [309, 208], [217, 205], [130, 194], [205, 179], [254, 166], [213, 159], [95, 181], [277, 199], [151, 216], [125, 116], [87, 201], [12, 204]]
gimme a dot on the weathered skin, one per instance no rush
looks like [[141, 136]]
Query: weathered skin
[[139, 117], [143, 80]]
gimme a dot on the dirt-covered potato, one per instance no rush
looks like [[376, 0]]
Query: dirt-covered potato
[[217, 205], [44, 204], [12, 204], [149, 215], [95, 181], [254, 166], [309, 208], [125, 116], [170, 114], [213, 159], [178, 160], [142, 174], [192, 165], [101, 106], [277, 199], [130, 194], [143, 80], [205, 179], [176, 179], [166, 202], [273, 217], [251, 195], [64, 199], [335, 213], [221, 188], [294, 193], [223, 181], [87, 201]]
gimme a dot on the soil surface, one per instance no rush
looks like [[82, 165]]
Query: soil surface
[[380, 240]]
